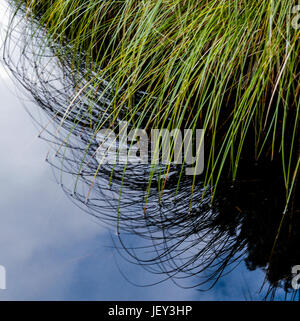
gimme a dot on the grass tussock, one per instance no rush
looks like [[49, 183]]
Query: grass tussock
[[230, 67]]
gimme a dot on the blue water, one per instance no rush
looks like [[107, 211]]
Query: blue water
[[54, 251]]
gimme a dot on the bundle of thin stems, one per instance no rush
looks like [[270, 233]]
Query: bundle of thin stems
[[230, 67]]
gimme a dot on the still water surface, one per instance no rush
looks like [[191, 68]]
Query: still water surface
[[52, 249]]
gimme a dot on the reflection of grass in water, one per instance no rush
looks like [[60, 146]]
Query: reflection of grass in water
[[229, 68]]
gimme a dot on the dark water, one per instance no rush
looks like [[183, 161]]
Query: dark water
[[207, 248]]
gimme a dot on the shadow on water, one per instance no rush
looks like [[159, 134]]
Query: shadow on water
[[181, 237]]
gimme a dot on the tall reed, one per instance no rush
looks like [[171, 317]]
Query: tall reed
[[230, 67]]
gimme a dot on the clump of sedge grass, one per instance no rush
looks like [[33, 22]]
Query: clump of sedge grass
[[230, 67]]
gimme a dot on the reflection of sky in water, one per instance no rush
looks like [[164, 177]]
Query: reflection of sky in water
[[52, 250]]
